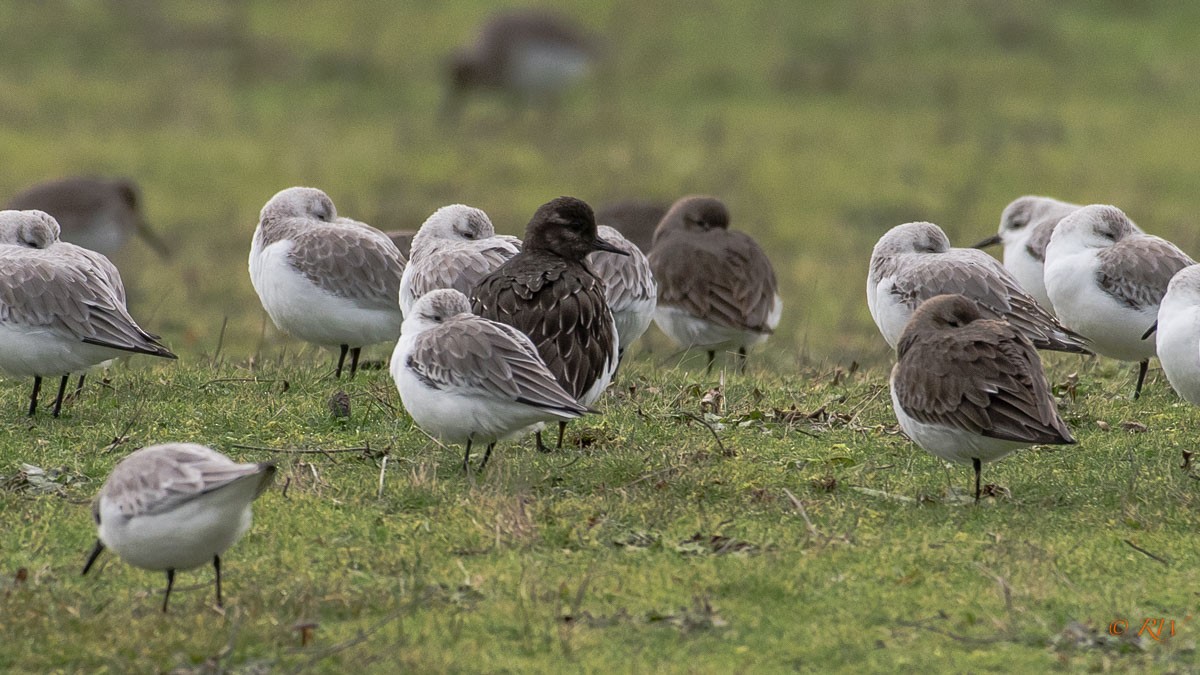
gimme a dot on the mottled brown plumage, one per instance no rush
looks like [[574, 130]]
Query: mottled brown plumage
[[547, 292]]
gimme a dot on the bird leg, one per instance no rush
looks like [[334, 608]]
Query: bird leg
[[217, 567], [96, 551], [170, 583], [467, 458], [79, 387], [354, 353], [62, 389], [711, 357], [1142, 368], [978, 469], [562, 427], [37, 385], [486, 455], [541, 447], [742, 360], [341, 360]]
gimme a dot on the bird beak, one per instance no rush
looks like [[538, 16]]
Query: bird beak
[[1150, 331], [601, 245], [92, 558], [990, 241]]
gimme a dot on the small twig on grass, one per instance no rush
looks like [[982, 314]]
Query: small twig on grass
[[363, 636], [303, 451], [966, 639], [1146, 553], [711, 430], [224, 380], [799, 506], [382, 470], [1005, 589]]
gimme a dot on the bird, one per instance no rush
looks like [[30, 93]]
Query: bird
[[1178, 333], [1025, 228], [467, 379], [716, 287], [454, 248], [629, 286], [62, 307], [96, 213], [548, 292], [531, 55], [635, 219], [970, 389], [176, 506], [1106, 280], [914, 262], [323, 279]]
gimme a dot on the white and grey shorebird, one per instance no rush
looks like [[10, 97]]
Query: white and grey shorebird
[[454, 248], [1106, 280], [176, 506], [914, 262], [331, 281], [629, 286], [971, 389], [1177, 333], [716, 287], [98, 214], [548, 292], [62, 307], [467, 379], [1025, 228], [532, 55]]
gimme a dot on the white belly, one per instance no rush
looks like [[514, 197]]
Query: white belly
[[1115, 330], [27, 351], [688, 331], [1029, 272], [1178, 342], [953, 445]]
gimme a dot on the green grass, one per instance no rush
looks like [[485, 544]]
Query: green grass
[[822, 124], [654, 543]]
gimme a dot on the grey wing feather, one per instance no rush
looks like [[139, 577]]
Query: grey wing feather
[[1136, 270], [987, 379], [158, 482], [473, 353], [74, 300], [724, 277], [460, 268], [626, 279], [980, 277], [350, 260]]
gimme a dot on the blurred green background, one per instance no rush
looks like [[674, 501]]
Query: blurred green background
[[821, 124]]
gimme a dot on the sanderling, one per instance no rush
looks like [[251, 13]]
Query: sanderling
[[547, 292], [62, 307], [1106, 280], [629, 286], [969, 389], [98, 214], [1025, 228], [327, 280], [716, 287], [914, 262], [465, 379], [176, 506], [455, 248], [1178, 333]]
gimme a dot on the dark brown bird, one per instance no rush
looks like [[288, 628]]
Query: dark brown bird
[[969, 389], [95, 213], [634, 218], [532, 55], [548, 292], [716, 286]]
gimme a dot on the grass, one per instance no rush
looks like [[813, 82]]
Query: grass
[[793, 529], [654, 546]]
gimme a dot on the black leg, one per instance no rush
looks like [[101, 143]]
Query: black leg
[[711, 357], [170, 583], [1142, 368], [37, 385], [541, 447], [467, 458], [486, 455], [341, 359], [354, 360], [742, 360], [96, 551], [62, 389], [562, 427], [217, 568], [79, 387], [978, 469]]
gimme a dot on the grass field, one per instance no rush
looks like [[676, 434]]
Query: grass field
[[768, 537]]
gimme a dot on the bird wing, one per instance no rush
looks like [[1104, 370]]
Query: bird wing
[[627, 279], [458, 267], [987, 379], [350, 260], [1136, 270], [149, 483], [473, 354], [723, 276]]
